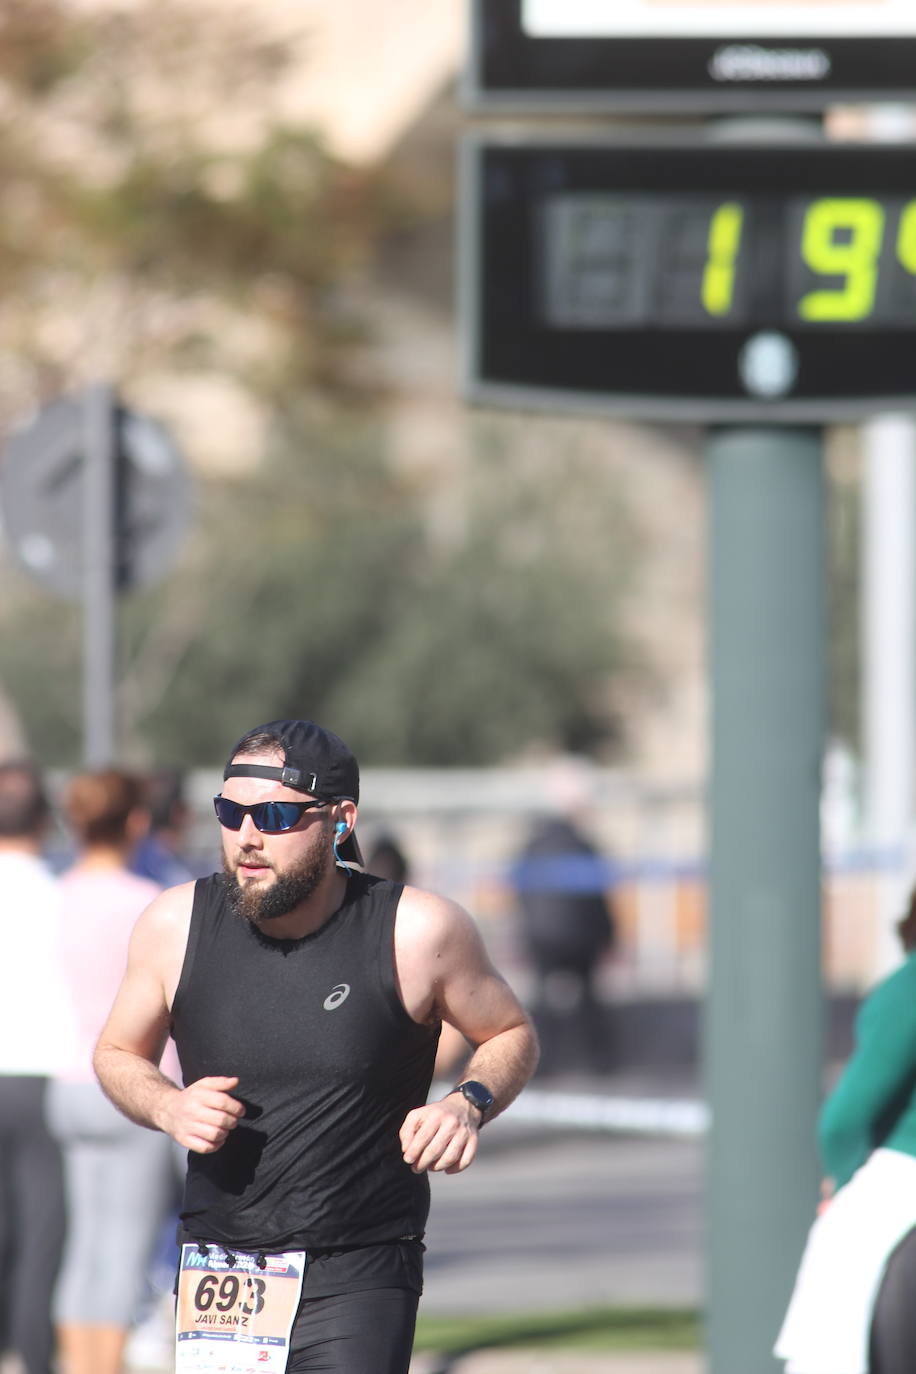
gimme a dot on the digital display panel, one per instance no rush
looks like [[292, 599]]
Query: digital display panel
[[677, 55], [712, 278], [703, 261]]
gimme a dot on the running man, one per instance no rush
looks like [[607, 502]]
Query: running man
[[306, 1000]]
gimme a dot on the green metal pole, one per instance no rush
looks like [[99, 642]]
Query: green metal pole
[[764, 1022]]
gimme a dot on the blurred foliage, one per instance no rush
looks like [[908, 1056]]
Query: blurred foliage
[[158, 211], [162, 218], [313, 588], [509, 635]]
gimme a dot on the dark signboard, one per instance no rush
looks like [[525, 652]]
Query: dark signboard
[[703, 279], [673, 55]]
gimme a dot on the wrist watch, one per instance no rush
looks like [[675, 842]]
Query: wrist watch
[[478, 1096]]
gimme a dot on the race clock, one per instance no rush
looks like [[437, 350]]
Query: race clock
[[708, 279]]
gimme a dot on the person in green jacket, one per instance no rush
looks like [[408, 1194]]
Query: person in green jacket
[[867, 1142]]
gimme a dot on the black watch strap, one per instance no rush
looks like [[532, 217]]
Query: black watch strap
[[478, 1095]]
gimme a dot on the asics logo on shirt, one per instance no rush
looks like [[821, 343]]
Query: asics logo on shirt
[[337, 995]]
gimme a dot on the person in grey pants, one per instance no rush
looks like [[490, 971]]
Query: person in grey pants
[[34, 1030]]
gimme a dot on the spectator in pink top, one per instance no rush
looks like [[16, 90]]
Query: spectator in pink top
[[119, 1176]]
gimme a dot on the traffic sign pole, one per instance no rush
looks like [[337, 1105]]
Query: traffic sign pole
[[99, 575], [95, 499], [763, 1011]]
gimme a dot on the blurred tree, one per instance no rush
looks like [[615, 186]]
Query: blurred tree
[[163, 224], [511, 637], [164, 229], [315, 587], [321, 593], [159, 215], [294, 565]]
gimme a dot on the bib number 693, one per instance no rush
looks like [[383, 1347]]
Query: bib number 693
[[223, 1293]]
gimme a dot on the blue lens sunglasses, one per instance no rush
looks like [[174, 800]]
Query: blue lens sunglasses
[[270, 817]]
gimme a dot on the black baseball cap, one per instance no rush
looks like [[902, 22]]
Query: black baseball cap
[[314, 761]]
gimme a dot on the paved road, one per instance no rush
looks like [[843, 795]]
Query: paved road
[[548, 1219]]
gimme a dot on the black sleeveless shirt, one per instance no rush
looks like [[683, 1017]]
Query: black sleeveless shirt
[[329, 1063]]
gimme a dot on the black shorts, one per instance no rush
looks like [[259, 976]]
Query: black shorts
[[892, 1347], [369, 1331], [359, 1310]]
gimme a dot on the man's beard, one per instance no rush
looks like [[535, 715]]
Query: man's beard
[[261, 904]]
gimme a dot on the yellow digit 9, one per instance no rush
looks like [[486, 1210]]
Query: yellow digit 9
[[718, 286], [906, 237], [854, 256]]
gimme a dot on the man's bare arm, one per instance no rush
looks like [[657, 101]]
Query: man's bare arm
[[198, 1117], [504, 1064], [130, 1046], [441, 957]]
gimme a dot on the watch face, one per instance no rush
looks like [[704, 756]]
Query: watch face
[[479, 1096]]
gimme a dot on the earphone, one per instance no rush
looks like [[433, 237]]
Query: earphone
[[340, 830]]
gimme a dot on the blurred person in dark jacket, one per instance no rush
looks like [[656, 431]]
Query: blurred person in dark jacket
[[387, 859], [566, 921]]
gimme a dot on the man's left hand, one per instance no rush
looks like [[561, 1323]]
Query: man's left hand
[[441, 1136]]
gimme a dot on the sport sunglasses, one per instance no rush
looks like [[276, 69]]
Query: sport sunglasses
[[271, 817]]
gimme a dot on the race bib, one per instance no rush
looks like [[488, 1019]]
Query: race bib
[[235, 1314]]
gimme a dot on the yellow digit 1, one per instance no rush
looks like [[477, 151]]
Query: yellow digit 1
[[906, 237], [853, 256], [718, 287]]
